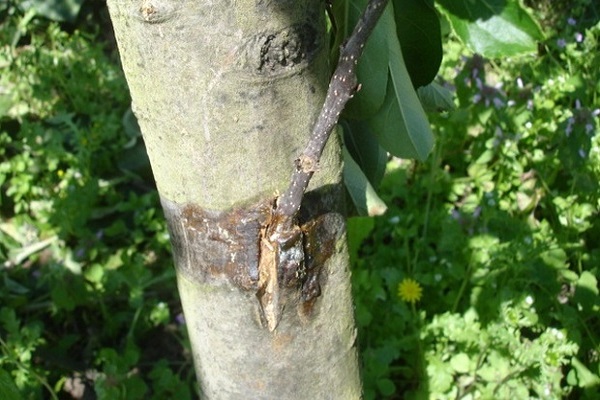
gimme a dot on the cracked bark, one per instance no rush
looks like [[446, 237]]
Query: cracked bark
[[226, 95]]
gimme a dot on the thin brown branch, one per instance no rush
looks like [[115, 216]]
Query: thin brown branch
[[342, 87]]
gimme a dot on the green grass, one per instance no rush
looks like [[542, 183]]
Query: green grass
[[499, 228]]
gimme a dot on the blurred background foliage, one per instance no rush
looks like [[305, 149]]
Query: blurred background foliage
[[499, 227], [88, 306]]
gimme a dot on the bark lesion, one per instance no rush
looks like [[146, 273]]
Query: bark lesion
[[291, 262], [241, 247], [282, 270], [213, 246]]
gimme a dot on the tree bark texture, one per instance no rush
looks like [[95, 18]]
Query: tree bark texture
[[226, 93]]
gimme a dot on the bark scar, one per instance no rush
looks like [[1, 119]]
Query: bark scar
[[248, 247], [290, 262], [280, 266], [268, 286]]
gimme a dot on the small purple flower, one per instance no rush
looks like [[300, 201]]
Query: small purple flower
[[530, 104], [589, 128], [582, 153], [498, 103], [577, 104], [478, 83], [394, 220], [455, 214], [561, 43], [578, 37], [571, 21], [180, 319], [569, 127]]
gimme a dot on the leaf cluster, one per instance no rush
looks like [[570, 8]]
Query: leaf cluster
[[397, 76]]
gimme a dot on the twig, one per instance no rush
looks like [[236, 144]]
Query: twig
[[282, 254], [342, 87]]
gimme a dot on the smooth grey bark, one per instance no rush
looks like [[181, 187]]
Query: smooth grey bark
[[225, 93]]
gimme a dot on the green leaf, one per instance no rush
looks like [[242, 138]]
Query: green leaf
[[94, 273], [493, 28], [358, 228], [363, 315], [160, 314], [586, 292], [401, 125], [131, 128], [418, 28], [362, 193], [581, 376], [56, 10], [8, 389], [386, 386], [589, 282], [460, 363], [6, 102], [71, 293], [440, 376], [365, 150], [555, 258], [371, 70], [9, 321], [436, 98]]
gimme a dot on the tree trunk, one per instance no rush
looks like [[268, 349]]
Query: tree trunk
[[225, 93]]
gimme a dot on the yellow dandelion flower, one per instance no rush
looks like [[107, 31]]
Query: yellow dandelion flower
[[409, 290]]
